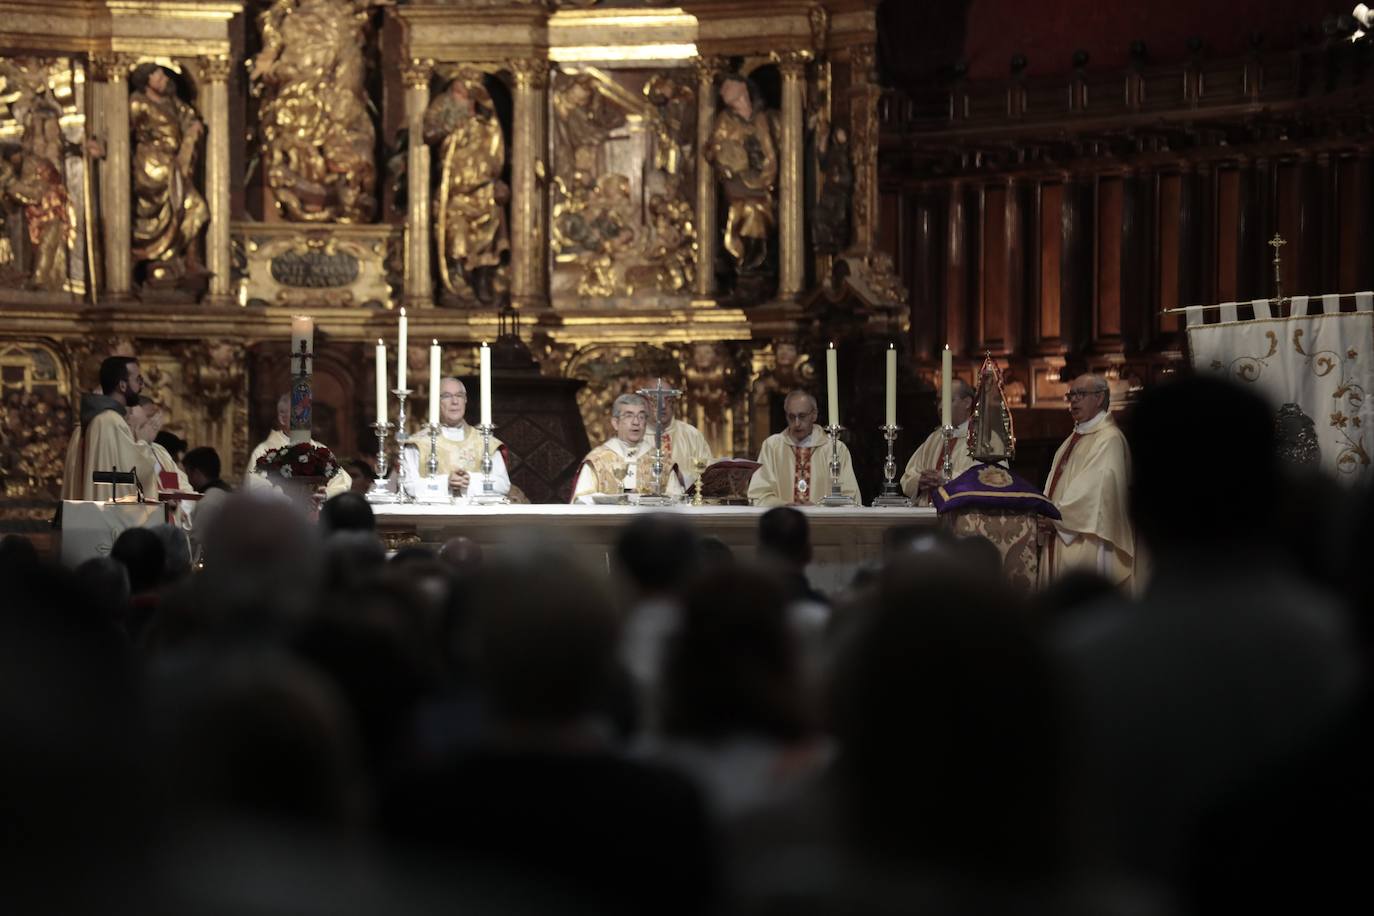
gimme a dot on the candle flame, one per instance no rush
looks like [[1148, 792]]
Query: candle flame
[[379, 341], [403, 311], [832, 344], [434, 343]]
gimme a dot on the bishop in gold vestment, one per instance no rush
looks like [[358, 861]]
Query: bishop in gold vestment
[[1088, 483], [794, 466], [624, 463], [458, 447]]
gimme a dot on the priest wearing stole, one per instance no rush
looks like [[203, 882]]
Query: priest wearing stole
[[1089, 482], [279, 438], [925, 469], [624, 463], [794, 466], [458, 446], [683, 444], [104, 440]]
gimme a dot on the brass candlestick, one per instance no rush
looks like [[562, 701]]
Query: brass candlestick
[[698, 465], [947, 469]]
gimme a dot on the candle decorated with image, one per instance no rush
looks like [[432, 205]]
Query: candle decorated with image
[[302, 332], [302, 360], [401, 353], [381, 381], [484, 379], [891, 403], [946, 383], [434, 355], [832, 386]]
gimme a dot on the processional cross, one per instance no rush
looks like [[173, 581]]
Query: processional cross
[[1277, 243], [658, 395]]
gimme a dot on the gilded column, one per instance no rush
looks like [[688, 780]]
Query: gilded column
[[217, 244], [791, 263], [419, 287], [529, 269], [116, 191], [863, 122], [706, 70]]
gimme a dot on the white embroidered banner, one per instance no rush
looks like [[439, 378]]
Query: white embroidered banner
[[1316, 370]]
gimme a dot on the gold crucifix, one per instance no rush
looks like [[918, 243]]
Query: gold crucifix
[[1277, 243]]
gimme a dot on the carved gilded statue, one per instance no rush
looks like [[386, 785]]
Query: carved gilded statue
[[743, 150], [317, 135], [830, 215], [31, 177], [583, 118], [469, 206], [169, 211]]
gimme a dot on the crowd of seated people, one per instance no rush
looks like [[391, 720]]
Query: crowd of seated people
[[306, 724]]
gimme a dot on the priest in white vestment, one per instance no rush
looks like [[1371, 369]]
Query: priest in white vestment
[[104, 440], [1089, 482], [924, 472], [794, 466], [624, 462], [458, 448], [278, 438]]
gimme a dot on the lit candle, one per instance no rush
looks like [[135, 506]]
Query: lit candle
[[891, 412], [946, 384], [302, 331], [434, 383], [401, 354], [381, 381], [484, 364], [832, 386]]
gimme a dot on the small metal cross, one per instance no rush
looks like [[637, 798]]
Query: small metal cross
[[1277, 243]]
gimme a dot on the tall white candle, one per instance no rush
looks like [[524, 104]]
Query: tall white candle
[[484, 364], [891, 404], [832, 386], [401, 353], [302, 331], [381, 381], [434, 383], [946, 386]]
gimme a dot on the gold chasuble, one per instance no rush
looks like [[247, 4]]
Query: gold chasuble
[[1088, 483], [616, 467], [104, 441], [339, 483], [792, 473], [931, 457]]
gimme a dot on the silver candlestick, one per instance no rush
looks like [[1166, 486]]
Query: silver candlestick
[[891, 496], [488, 496], [835, 497], [947, 469], [379, 492], [433, 430], [403, 494]]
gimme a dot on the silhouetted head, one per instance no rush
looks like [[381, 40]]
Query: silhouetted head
[[785, 535], [347, 512], [143, 554], [1205, 467], [657, 552]]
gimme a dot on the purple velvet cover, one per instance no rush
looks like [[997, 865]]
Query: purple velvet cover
[[987, 486]]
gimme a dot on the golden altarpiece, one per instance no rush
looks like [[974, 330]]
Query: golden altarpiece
[[681, 191]]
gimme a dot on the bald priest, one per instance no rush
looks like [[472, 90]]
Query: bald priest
[[794, 465]]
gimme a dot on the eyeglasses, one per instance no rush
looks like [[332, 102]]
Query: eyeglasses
[[450, 396], [1076, 394], [798, 417], [634, 415]]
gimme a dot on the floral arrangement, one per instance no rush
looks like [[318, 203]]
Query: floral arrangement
[[300, 459]]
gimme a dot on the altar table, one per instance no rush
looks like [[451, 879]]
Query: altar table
[[844, 540]]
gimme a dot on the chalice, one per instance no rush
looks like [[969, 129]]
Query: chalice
[[619, 474], [698, 465]]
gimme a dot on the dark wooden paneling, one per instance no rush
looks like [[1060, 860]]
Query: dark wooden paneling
[[992, 305], [959, 263], [1227, 238], [1107, 315], [1171, 219], [1051, 250]]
